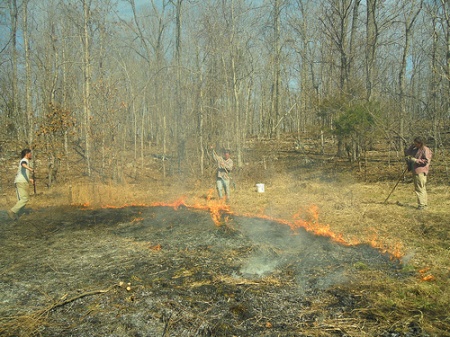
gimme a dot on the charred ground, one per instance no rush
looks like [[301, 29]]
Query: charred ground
[[156, 271]]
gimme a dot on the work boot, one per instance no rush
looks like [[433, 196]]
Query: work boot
[[12, 215]]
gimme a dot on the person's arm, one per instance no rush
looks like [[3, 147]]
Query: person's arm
[[227, 165], [424, 157], [215, 156], [220, 161], [409, 151], [24, 165], [29, 168], [428, 154]]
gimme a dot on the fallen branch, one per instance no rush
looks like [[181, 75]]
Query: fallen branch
[[89, 293], [29, 324]]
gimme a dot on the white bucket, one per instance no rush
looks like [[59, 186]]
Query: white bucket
[[260, 188]]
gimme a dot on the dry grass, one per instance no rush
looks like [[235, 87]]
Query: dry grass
[[356, 211]]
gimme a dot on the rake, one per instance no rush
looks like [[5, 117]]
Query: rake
[[398, 181]]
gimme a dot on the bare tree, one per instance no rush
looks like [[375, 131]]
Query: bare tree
[[336, 23], [371, 44], [411, 11], [180, 129], [445, 11], [85, 37], [302, 23], [26, 47], [276, 68], [14, 103], [353, 47]]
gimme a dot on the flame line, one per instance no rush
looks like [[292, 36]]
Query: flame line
[[311, 224]]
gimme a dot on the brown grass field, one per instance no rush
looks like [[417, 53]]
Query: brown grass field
[[348, 204]]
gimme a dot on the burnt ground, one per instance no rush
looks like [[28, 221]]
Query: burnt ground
[[160, 271]]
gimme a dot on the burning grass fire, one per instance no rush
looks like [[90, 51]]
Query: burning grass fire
[[179, 270], [221, 213]]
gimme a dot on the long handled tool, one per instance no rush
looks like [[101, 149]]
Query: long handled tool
[[33, 176], [34, 181], [398, 181]]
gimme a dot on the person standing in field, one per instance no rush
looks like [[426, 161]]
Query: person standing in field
[[418, 160], [224, 167], [21, 182]]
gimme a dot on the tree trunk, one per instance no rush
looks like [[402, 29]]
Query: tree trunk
[[352, 44], [277, 69], [87, 84], [371, 44], [409, 22], [180, 136], [446, 12], [14, 112], [28, 107]]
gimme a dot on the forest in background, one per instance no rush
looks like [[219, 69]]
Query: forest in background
[[115, 82]]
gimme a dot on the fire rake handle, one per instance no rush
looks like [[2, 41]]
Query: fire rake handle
[[398, 181]]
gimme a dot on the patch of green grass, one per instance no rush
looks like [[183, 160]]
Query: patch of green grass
[[360, 266]]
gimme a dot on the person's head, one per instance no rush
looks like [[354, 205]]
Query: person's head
[[418, 142], [226, 154], [26, 153]]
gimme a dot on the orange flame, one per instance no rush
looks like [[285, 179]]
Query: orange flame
[[424, 276], [217, 210], [309, 220], [312, 224], [156, 247], [176, 204]]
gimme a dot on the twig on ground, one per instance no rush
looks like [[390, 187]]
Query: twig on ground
[[28, 324]]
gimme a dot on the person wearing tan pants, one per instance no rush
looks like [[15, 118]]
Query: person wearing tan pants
[[21, 182], [419, 159]]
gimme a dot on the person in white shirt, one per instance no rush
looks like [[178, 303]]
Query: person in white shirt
[[22, 182]]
